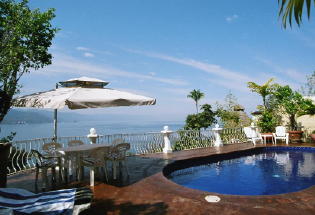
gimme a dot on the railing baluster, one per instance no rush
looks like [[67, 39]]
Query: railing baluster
[[142, 143]]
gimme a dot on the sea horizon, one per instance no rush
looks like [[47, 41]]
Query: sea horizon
[[81, 128]]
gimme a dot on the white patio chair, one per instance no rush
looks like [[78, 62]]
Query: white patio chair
[[117, 154], [50, 150], [281, 134], [75, 143], [96, 159], [252, 135], [44, 163], [74, 160]]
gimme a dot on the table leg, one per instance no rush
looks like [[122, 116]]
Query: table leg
[[114, 169], [66, 167], [92, 170], [60, 170]]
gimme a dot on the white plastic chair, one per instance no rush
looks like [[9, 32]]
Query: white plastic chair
[[75, 143], [252, 135], [281, 134], [94, 159], [117, 154]]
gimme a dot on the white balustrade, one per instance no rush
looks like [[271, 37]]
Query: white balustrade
[[167, 143], [218, 141], [92, 136]]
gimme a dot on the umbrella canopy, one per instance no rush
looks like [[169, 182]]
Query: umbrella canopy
[[80, 93], [80, 98]]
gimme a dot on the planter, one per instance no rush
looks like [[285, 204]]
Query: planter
[[4, 155], [312, 137], [295, 136]]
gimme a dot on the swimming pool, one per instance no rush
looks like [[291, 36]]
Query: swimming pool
[[258, 171]]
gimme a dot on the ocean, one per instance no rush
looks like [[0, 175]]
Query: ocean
[[82, 128]]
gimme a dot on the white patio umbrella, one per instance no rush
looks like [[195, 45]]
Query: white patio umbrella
[[80, 93]]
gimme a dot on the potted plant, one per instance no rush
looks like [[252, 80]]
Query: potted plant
[[312, 135], [293, 105], [4, 155], [267, 122]]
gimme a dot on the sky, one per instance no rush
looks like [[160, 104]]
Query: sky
[[166, 48]]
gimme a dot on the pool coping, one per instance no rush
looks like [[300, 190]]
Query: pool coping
[[302, 201]]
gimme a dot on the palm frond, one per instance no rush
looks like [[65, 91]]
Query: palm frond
[[290, 8]]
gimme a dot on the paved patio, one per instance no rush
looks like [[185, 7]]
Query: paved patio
[[147, 191]]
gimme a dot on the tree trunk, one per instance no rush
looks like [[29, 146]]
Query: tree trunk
[[5, 104], [4, 155], [264, 101], [197, 107], [293, 122]]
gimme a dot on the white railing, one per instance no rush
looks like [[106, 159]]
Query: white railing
[[143, 143]]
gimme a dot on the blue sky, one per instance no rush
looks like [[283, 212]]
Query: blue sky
[[166, 48]]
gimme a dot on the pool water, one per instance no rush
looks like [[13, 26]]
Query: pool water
[[267, 171]]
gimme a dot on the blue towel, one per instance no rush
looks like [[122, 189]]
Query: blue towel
[[50, 203]]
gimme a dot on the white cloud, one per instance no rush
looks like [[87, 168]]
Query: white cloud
[[230, 84], [287, 72], [67, 64], [205, 67], [230, 19], [88, 54], [80, 48], [178, 91], [88, 50]]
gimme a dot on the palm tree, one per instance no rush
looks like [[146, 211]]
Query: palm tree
[[263, 90], [196, 95], [289, 8]]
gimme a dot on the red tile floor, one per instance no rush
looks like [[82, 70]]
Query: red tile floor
[[147, 191]]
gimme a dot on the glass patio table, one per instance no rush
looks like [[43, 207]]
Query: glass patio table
[[76, 152]]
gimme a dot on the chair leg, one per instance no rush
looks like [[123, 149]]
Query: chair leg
[[92, 176], [36, 178], [126, 167], [106, 172], [44, 178], [82, 172], [60, 171], [53, 178], [114, 169]]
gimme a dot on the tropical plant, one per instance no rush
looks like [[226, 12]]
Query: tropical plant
[[230, 119], [293, 104], [192, 140], [264, 90], [294, 8], [9, 138], [268, 121], [25, 36], [196, 95], [201, 120], [228, 115]]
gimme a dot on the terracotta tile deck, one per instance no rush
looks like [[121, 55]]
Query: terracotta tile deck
[[147, 191]]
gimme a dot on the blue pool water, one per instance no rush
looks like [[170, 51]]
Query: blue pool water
[[265, 171]]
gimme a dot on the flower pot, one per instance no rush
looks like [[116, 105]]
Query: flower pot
[[4, 155], [295, 136], [312, 137]]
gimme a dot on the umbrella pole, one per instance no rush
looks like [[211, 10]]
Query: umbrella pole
[[55, 124], [55, 120]]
